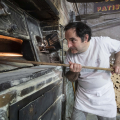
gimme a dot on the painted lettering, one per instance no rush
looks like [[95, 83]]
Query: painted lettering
[[113, 7], [98, 9], [117, 6], [104, 8], [109, 7], [109, 0]]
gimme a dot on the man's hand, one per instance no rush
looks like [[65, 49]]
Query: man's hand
[[74, 67], [117, 68], [117, 63], [74, 72]]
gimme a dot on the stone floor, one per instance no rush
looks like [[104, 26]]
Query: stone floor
[[93, 117]]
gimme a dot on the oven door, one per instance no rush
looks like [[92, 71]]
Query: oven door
[[45, 104], [12, 21]]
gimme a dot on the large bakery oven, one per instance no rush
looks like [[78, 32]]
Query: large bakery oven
[[21, 37], [19, 34], [27, 91]]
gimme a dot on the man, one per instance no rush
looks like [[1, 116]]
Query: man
[[95, 92]]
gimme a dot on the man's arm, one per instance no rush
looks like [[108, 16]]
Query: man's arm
[[74, 72], [117, 63], [72, 76]]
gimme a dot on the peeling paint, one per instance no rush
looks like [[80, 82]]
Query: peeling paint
[[3, 96]]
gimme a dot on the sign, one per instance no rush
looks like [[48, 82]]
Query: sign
[[107, 6]]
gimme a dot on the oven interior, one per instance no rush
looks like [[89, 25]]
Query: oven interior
[[14, 48]]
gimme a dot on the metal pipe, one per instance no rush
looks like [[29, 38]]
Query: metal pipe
[[95, 30], [64, 79], [77, 9], [108, 22]]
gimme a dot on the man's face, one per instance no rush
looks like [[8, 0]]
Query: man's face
[[75, 43]]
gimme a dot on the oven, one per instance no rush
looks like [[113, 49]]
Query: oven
[[20, 36], [25, 87]]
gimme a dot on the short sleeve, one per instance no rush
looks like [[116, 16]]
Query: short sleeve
[[110, 45]]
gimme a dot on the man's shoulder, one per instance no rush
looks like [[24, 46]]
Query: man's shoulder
[[100, 39]]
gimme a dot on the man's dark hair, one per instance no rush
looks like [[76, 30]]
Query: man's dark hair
[[81, 29]]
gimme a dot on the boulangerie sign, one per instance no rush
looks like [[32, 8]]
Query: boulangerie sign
[[107, 6]]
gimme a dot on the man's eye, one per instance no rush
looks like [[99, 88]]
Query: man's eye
[[73, 40]]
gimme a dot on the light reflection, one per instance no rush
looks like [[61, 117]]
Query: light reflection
[[11, 38], [2, 54]]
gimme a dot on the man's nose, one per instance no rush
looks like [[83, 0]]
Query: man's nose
[[69, 44]]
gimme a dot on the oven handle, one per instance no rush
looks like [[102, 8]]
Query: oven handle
[[4, 10]]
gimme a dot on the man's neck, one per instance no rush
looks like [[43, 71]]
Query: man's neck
[[86, 47]]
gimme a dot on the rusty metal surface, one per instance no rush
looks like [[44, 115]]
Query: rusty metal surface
[[13, 24], [15, 108], [84, 1], [40, 9], [36, 108]]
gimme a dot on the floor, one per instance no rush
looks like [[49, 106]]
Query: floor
[[93, 117]]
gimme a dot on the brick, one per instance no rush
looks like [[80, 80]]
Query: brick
[[39, 85], [27, 91], [4, 86], [7, 98], [49, 80], [55, 78]]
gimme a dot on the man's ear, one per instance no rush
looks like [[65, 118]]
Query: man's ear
[[86, 37]]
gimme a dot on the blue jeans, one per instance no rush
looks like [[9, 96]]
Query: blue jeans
[[80, 115]]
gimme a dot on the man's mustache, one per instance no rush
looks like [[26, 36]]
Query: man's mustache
[[72, 48]]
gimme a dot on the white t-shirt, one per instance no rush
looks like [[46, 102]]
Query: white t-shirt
[[95, 91]]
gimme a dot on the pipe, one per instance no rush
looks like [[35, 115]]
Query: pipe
[[77, 9]]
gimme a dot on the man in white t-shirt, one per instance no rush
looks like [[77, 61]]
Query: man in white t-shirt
[[95, 92]]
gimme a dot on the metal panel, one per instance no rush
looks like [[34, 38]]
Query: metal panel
[[34, 109], [40, 9], [53, 113], [34, 31], [14, 109], [13, 23], [89, 16], [84, 1]]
